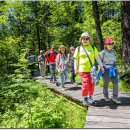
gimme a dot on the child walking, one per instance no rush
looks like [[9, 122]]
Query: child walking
[[83, 66], [108, 57], [71, 63], [62, 65]]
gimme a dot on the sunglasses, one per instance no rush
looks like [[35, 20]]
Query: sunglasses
[[110, 44], [85, 38]]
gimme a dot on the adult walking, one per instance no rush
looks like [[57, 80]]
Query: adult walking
[[108, 57], [41, 61], [47, 68], [83, 54], [71, 63], [52, 63]]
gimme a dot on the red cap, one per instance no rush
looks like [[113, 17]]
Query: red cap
[[108, 40]]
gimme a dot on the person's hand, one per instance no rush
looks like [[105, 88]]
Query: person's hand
[[76, 72], [117, 71], [102, 68]]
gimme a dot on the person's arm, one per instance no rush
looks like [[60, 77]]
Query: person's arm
[[57, 61], [48, 57], [39, 58], [76, 66], [98, 59], [116, 67], [76, 61]]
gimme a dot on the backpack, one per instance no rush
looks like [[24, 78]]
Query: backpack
[[32, 59]]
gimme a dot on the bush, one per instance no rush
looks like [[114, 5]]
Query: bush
[[27, 104]]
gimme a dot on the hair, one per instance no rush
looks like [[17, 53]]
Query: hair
[[105, 46], [59, 49]]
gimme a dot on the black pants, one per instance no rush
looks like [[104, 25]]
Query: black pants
[[73, 76], [47, 70]]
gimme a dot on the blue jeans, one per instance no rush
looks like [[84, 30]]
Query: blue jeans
[[63, 77], [52, 69]]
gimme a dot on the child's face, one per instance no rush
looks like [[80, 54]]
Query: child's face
[[63, 50], [85, 40], [109, 46]]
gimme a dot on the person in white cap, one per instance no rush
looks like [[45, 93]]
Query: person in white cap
[[41, 60], [82, 66]]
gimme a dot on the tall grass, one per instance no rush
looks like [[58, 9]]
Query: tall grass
[[27, 104]]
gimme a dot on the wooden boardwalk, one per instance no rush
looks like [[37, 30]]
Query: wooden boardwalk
[[101, 114]]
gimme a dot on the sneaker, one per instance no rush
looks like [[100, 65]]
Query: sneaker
[[90, 100], [51, 81], [107, 99], [63, 88], [57, 84], [85, 101], [54, 81], [117, 101]]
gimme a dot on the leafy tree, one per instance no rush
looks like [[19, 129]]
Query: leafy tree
[[125, 6], [125, 24]]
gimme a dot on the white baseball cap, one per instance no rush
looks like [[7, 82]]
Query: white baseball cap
[[85, 34], [41, 51]]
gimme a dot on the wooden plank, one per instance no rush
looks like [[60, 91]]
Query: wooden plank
[[108, 119], [123, 108], [126, 111], [121, 114], [96, 124]]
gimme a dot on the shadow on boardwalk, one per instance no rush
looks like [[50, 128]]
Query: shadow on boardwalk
[[125, 101]]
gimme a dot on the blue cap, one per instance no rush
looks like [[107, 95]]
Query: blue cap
[[52, 46]]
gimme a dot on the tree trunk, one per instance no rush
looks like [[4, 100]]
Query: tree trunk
[[97, 23], [37, 26], [125, 23]]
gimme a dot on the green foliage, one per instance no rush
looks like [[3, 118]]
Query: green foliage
[[123, 85], [27, 104], [8, 54]]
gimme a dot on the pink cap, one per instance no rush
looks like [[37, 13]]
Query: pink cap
[[72, 48], [108, 40]]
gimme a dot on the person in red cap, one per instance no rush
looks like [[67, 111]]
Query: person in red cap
[[108, 57]]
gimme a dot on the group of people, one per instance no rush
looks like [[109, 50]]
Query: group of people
[[79, 62], [57, 61]]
